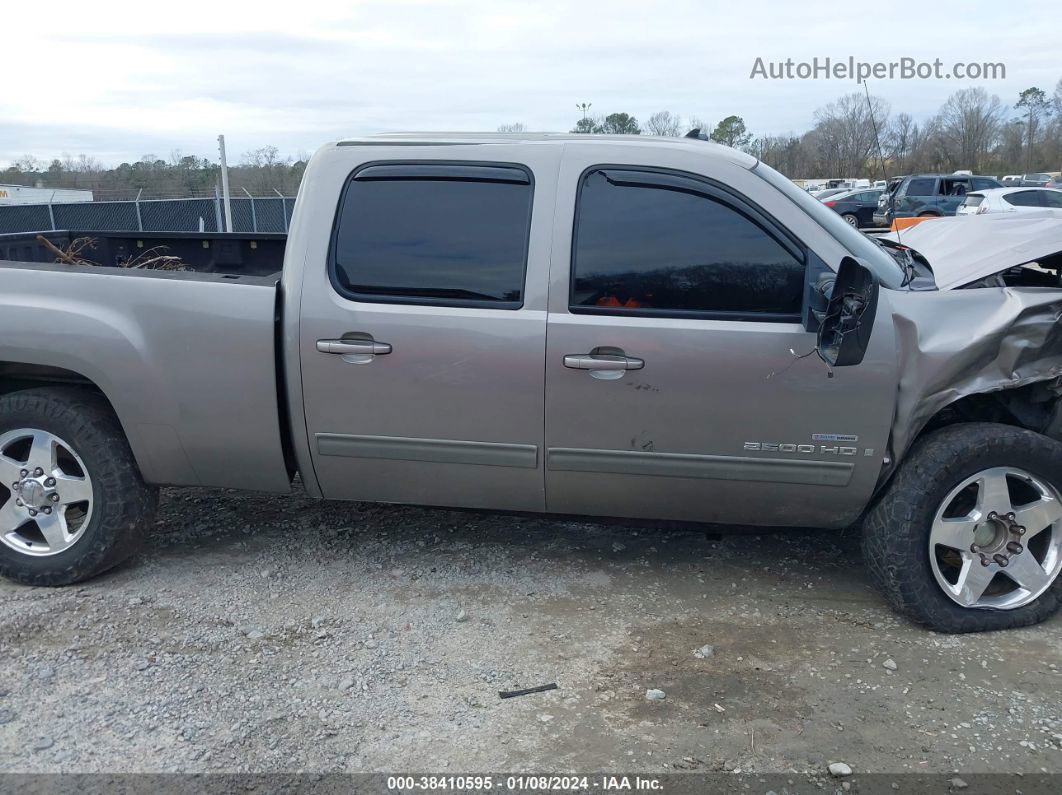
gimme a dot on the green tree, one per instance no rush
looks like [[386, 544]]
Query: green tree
[[619, 124], [585, 125], [1034, 102], [731, 132]]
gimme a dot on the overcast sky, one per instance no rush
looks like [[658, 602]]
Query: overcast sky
[[117, 80]]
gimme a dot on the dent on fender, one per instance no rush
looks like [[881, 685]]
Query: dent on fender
[[958, 343]]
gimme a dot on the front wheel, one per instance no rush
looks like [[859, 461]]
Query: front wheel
[[968, 536], [72, 501]]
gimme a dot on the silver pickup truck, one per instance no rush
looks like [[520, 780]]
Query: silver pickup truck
[[603, 326]]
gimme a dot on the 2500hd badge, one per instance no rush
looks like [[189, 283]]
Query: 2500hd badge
[[812, 449]]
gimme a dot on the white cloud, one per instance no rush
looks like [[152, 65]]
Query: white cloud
[[118, 79]]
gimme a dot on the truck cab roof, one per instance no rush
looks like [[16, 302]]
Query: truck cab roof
[[647, 142]]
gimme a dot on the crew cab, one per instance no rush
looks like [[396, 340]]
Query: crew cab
[[606, 326]]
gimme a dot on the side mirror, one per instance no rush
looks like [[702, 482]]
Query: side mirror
[[844, 334]]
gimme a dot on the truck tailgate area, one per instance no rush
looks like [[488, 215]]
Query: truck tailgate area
[[187, 360]]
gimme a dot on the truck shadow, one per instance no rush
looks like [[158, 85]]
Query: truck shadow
[[191, 522]]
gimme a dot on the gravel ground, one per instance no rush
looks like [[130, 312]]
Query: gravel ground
[[259, 633]]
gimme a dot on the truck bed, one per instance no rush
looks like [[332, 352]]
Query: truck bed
[[187, 359], [201, 252]]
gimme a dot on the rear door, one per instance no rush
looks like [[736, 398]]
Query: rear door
[[680, 381], [954, 193], [422, 340], [918, 195], [868, 203]]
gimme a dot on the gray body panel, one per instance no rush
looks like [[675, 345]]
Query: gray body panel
[[708, 387], [186, 360], [469, 398], [474, 407], [455, 410]]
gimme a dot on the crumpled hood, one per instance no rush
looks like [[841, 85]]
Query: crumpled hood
[[965, 248]]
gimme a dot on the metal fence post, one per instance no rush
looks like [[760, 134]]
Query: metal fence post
[[254, 216], [217, 209], [283, 209], [139, 220], [51, 211]]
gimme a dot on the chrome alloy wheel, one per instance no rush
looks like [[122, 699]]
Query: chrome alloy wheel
[[45, 493], [996, 540]]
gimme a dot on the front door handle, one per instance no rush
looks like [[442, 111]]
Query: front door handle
[[353, 347], [606, 362]]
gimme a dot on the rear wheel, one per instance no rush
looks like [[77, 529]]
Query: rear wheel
[[968, 537], [72, 501], [851, 219]]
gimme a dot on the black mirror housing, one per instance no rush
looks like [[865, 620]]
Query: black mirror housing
[[844, 334]]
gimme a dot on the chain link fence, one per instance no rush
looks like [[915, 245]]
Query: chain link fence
[[250, 214]]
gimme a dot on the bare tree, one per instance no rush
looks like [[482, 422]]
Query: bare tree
[[968, 125], [904, 138], [663, 122], [1011, 145], [844, 133], [263, 157], [515, 127], [697, 123]]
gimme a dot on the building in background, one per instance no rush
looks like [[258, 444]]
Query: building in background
[[20, 194]]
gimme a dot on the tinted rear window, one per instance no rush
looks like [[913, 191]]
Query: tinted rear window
[[1024, 198], [442, 240], [973, 200], [921, 186]]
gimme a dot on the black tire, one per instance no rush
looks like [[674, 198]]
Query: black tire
[[929, 215], [122, 503], [896, 531], [852, 220]]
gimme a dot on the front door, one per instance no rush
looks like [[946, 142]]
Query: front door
[[673, 387], [422, 346]]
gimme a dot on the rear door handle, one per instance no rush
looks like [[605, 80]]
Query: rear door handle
[[608, 362], [355, 351], [356, 347]]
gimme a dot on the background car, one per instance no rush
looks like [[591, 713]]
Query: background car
[[1056, 183], [856, 207], [1010, 200], [822, 195], [929, 196], [1011, 180], [1035, 180]]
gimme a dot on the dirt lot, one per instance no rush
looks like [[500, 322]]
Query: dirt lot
[[262, 634]]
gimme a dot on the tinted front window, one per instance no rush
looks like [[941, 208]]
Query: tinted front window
[[856, 243], [434, 240], [1053, 199], [647, 247], [921, 186]]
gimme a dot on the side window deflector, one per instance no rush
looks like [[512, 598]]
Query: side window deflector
[[456, 172]]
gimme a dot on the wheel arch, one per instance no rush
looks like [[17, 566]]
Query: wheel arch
[[1035, 407], [17, 376]]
